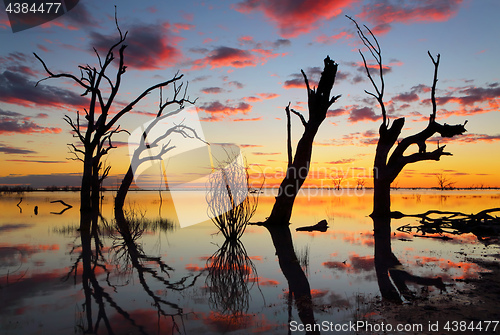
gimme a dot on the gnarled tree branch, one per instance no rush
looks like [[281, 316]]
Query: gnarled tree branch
[[387, 168]]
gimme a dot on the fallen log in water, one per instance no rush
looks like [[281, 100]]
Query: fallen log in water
[[62, 202], [321, 226], [68, 206], [484, 225]]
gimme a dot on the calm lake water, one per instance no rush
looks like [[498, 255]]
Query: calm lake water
[[159, 283]]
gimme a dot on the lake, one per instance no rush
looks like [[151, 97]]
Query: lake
[[154, 277]]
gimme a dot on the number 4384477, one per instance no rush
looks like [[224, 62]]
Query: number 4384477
[[455, 326], [25, 8]]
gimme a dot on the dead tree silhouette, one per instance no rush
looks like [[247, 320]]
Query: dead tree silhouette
[[277, 223], [318, 103], [337, 182], [148, 143], [444, 182], [387, 166], [101, 117]]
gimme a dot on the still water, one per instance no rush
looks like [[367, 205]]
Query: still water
[[158, 280]]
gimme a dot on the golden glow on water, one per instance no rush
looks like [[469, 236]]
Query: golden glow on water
[[38, 251]]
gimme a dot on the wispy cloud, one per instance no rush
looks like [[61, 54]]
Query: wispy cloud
[[14, 150], [218, 111], [224, 56], [13, 122], [16, 88], [386, 12]]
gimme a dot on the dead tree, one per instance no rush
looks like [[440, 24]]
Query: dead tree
[[318, 103], [388, 166], [337, 182], [444, 182], [360, 184], [96, 132], [147, 143]]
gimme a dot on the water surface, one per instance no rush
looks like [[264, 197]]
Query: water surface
[[158, 282]]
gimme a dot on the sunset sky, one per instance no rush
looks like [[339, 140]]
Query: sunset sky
[[242, 60]]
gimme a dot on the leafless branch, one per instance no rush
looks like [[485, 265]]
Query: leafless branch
[[306, 81], [434, 82], [289, 135], [131, 105], [302, 119], [376, 52], [61, 75]]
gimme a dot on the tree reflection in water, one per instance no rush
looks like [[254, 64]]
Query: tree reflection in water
[[231, 206], [391, 275], [229, 281], [292, 270], [128, 259]]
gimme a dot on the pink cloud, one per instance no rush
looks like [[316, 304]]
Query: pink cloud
[[363, 114], [268, 95], [297, 17], [325, 39], [252, 119], [212, 90], [219, 111], [183, 26], [383, 13], [234, 57], [227, 57]]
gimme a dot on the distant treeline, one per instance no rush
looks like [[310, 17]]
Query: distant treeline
[[24, 188]]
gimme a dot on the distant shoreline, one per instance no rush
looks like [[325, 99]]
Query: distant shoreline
[[74, 190]]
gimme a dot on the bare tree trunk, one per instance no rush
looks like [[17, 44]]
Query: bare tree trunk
[[387, 167], [145, 143], [124, 187], [96, 134], [86, 186], [381, 198], [295, 177], [318, 101]]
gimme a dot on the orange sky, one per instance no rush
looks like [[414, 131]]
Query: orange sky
[[243, 62]]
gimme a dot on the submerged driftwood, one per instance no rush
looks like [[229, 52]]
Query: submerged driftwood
[[484, 225], [321, 226], [68, 206]]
